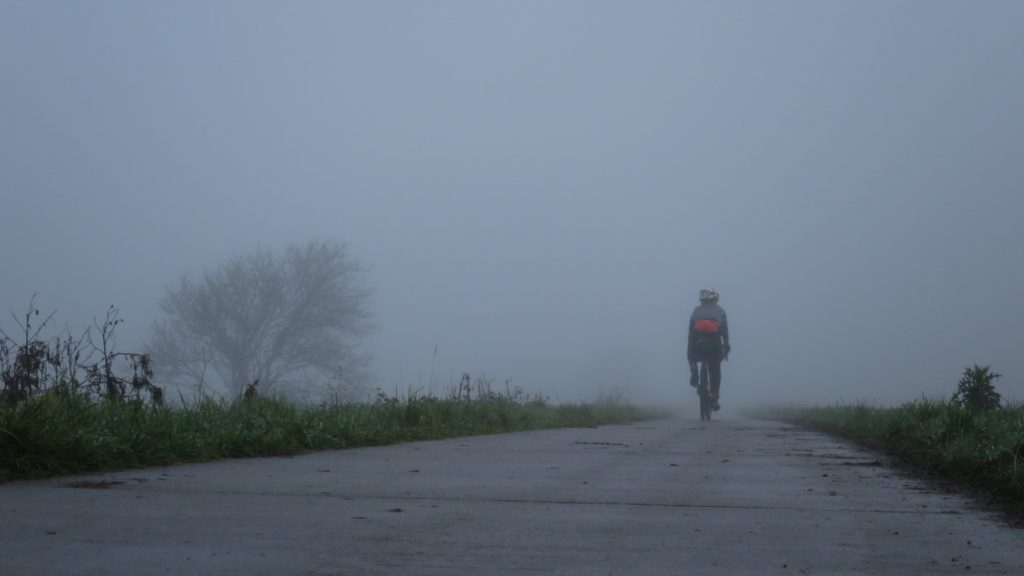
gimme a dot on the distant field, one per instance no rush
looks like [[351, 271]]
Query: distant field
[[62, 434], [982, 450]]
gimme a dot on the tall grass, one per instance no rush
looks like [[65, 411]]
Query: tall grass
[[61, 433], [979, 448]]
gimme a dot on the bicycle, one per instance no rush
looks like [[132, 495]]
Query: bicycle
[[708, 402]]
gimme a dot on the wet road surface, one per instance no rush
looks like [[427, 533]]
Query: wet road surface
[[731, 496]]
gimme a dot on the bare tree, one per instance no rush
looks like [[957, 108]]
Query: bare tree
[[288, 321]]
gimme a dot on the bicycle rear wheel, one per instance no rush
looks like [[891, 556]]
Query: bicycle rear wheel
[[704, 393]]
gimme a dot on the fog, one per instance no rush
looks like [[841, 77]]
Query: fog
[[540, 189]]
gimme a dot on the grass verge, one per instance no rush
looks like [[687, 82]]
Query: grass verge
[[57, 434], [981, 450]]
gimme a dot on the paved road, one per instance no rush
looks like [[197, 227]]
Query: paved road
[[667, 497]]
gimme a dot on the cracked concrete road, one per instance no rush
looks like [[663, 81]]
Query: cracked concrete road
[[668, 497]]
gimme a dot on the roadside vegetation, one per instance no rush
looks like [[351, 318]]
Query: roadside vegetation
[[64, 433], [971, 439]]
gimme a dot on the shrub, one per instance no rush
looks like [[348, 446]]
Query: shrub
[[31, 366], [976, 391]]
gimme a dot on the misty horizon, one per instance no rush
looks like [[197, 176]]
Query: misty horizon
[[540, 190]]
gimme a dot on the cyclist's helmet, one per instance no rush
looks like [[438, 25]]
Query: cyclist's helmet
[[708, 295]]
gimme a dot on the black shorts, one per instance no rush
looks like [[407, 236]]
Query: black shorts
[[706, 351]]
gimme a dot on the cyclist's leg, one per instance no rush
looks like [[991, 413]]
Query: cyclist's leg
[[715, 370]]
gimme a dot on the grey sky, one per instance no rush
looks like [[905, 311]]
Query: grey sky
[[541, 188]]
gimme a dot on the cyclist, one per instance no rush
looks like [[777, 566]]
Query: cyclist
[[708, 341]]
